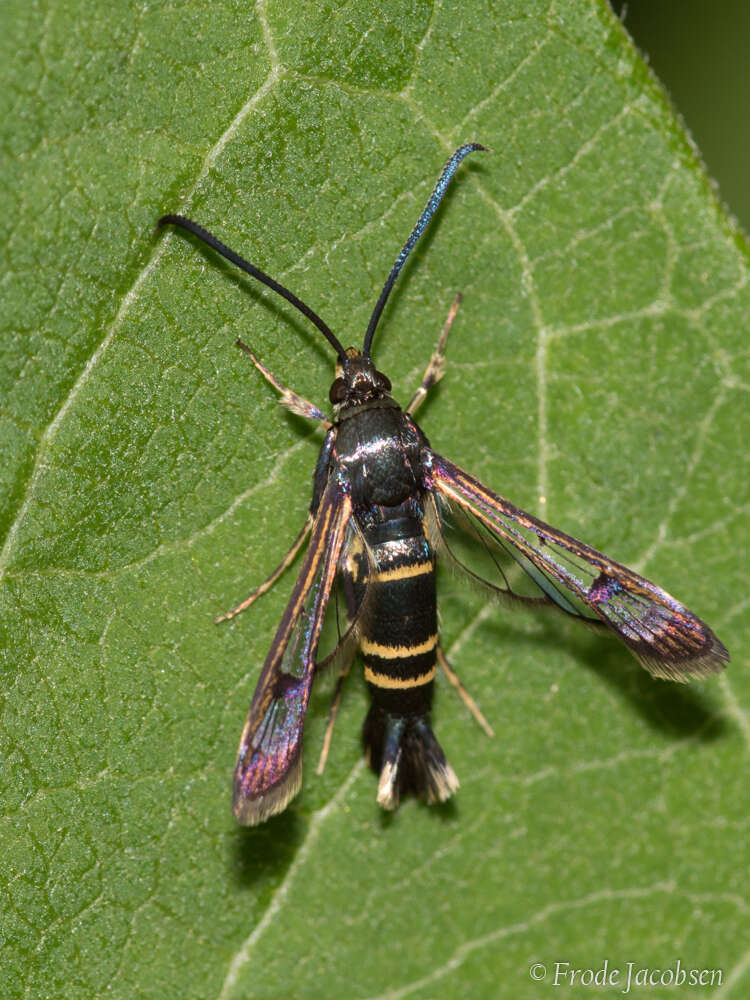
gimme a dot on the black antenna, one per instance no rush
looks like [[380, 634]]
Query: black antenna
[[219, 247], [429, 210]]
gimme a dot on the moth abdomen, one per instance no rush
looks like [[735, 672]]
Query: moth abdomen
[[398, 640], [398, 645]]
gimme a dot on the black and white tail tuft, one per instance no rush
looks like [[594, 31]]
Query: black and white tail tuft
[[408, 758]]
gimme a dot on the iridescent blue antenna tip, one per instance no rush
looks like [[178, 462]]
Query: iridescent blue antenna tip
[[430, 208]]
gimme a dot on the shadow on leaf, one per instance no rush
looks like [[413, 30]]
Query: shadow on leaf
[[268, 849]]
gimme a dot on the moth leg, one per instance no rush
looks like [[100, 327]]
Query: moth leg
[[436, 367], [297, 404], [465, 696], [267, 584], [332, 716]]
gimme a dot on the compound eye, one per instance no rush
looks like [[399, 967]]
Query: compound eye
[[338, 391], [383, 381]]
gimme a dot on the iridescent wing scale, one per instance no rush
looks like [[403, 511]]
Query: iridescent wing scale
[[268, 772], [668, 640]]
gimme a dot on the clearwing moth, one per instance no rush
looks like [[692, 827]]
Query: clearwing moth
[[382, 500]]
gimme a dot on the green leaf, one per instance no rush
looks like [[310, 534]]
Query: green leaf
[[597, 376]]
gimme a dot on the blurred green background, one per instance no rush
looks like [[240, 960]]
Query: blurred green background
[[699, 50]]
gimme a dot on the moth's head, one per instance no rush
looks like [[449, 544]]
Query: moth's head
[[357, 381]]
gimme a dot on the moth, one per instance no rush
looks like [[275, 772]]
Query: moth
[[381, 506]]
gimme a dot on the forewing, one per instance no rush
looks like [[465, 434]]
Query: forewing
[[269, 760], [666, 638]]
